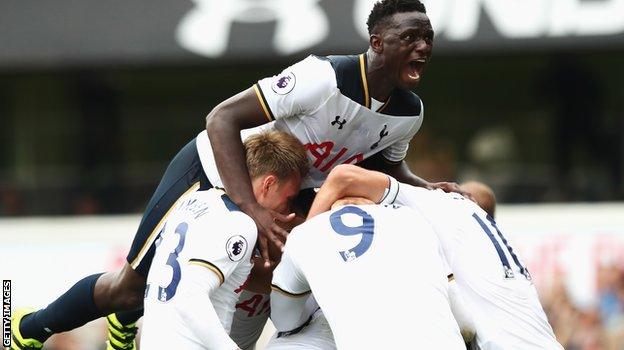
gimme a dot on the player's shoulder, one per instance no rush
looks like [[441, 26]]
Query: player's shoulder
[[311, 79], [444, 205], [236, 218], [344, 66], [404, 103], [224, 215], [315, 68], [411, 190], [348, 72], [419, 198]]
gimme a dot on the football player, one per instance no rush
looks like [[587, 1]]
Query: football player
[[362, 260], [344, 109], [203, 253], [493, 281]]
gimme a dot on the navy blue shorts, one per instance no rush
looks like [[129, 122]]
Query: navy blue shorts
[[183, 175]]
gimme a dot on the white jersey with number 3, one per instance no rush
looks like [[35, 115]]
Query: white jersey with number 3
[[491, 277], [205, 230], [356, 260], [325, 103]]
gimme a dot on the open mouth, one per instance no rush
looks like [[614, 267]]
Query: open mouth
[[416, 68]]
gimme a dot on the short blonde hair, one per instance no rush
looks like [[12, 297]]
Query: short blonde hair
[[275, 152]]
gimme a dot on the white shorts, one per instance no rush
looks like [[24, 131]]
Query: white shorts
[[316, 335]]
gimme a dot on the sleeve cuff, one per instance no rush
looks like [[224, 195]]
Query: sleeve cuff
[[263, 103], [392, 162], [209, 266], [287, 293], [390, 193]]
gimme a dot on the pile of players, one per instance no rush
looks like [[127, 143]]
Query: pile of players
[[384, 258]]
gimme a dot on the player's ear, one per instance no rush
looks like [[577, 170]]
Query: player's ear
[[376, 43], [268, 182]]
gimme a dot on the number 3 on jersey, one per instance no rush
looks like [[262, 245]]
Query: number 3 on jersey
[[167, 292], [366, 229]]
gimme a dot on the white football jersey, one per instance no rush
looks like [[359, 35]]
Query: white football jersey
[[356, 260], [325, 103], [494, 282], [208, 230]]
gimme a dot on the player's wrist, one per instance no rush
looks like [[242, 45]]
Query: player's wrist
[[250, 207], [428, 185]]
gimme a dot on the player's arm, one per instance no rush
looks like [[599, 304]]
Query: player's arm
[[290, 291], [401, 171], [195, 308], [397, 169], [224, 124], [212, 259], [347, 180]]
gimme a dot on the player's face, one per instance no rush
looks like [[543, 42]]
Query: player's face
[[407, 46], [279, 195]]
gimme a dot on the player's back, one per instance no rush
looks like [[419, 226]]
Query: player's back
[[361, 261], [493, 280], [206, 231]]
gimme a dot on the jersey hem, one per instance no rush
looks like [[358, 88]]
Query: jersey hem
[[287, 293]]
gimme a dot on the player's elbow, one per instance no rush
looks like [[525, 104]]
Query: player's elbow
[[224, 119], [345, 170], [343, 176], [214, 121]]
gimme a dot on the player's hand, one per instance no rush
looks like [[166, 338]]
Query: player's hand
[[260, 276], [271, 236], [286, 222], [450, 187]]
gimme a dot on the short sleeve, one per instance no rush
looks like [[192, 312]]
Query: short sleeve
[[221, 241], [288, 278], [437, 208], [300, 89], [412, 196], [397, 151]]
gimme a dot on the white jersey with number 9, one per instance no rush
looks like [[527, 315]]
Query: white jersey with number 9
[[359, 261]]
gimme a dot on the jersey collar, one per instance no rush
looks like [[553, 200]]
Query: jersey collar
[[363, 65]]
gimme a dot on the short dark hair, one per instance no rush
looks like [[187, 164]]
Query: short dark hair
[[382, 11]]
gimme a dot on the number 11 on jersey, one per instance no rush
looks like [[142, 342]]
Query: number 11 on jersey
[[499, 250]]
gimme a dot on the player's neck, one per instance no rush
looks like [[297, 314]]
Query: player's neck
[[379, 85]]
